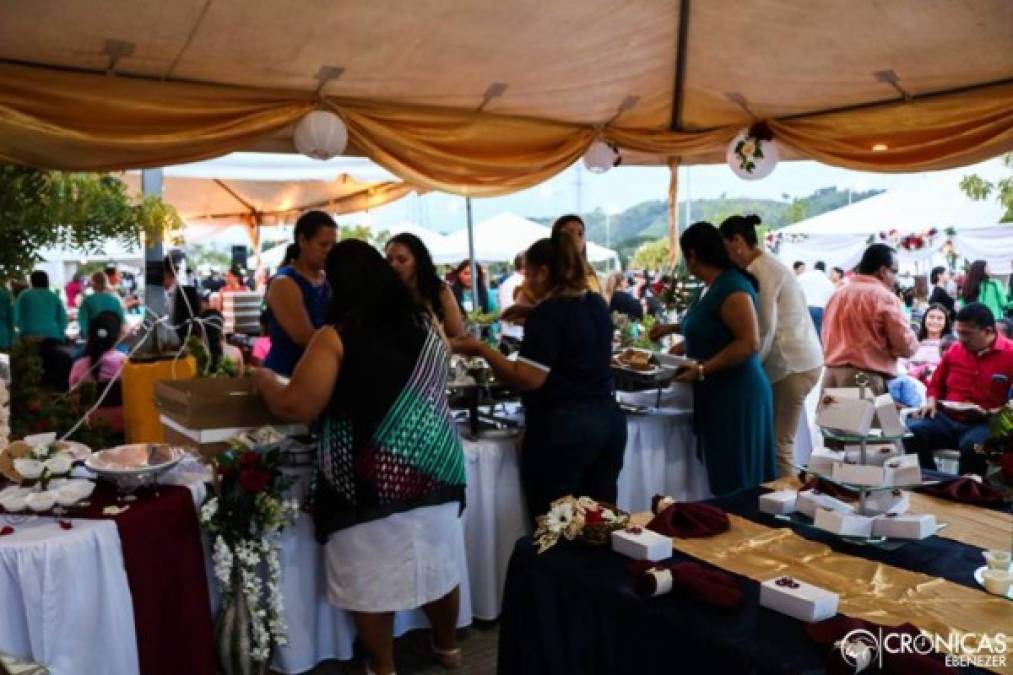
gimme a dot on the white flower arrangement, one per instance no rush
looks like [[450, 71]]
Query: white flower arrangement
[[572, 518]]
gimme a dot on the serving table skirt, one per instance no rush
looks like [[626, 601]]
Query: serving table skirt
[[573, 609], [659, 459]]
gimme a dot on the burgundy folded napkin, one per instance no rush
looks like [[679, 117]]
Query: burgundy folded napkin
[[965, 490], [705, 584], [828, 488], [690, 519], [828, 633]]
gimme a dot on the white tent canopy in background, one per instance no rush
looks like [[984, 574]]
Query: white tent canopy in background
[[840, 236], [500, 238]]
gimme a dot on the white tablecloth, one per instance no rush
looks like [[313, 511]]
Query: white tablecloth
[[64, 598], [317, 630], [660, 459]]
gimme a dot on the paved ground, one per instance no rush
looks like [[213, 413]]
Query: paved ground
[[478, 642]]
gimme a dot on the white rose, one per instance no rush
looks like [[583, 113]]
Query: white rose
[[58, 465], [748, 149], [40, 451]]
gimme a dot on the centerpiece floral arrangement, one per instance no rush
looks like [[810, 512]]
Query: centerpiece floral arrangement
[[749, 151], [634, 333], [578, 518], [245, 516], [998, 447]]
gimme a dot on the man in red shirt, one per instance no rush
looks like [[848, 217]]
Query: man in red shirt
[[977, 370]]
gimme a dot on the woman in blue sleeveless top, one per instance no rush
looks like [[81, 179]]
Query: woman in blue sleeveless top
[[297, 296], [733, 409]]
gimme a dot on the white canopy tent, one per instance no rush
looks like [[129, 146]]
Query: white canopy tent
[[840, 236], [503, 236]]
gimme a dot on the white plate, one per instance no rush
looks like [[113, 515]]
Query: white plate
[[133, 460], [979, 576], [962, 406]]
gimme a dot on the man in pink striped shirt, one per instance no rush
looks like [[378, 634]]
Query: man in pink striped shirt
[[864, 327]]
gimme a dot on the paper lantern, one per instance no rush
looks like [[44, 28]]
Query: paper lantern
[[601, 157], [321, 135], [752, 155]]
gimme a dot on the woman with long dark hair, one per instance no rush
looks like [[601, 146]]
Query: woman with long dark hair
[[389, 471], [936, 324], [413, 264], [464, 289], [102, 363], [980, 287], [297, 295], [733, 413], [575, 433], [573, 225]]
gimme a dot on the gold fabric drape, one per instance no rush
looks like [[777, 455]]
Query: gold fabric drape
[[868, 589], [80, 121]]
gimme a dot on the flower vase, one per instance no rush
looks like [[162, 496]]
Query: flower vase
[[232, 634]]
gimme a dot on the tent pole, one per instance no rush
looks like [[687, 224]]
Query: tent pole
[[154, 293], [471, 258], [673, 211]]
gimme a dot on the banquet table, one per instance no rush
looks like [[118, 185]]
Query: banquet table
[[659, 459], [574, 609]]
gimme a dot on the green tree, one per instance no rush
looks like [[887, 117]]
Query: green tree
[[980, 189], [652, 255], [80, 211], [361, 232]]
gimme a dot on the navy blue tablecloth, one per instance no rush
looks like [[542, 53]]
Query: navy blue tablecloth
[[573, 610]]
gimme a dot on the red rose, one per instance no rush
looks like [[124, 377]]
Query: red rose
[[1007, 466], [249, 459], [40, 425], [5, 530], [254, 481], [593, 517]]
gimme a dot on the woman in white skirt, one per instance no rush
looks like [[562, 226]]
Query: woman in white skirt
[[389, 477]]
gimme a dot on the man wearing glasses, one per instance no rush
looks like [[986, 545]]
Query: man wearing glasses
[[971, 383], [864, 327]]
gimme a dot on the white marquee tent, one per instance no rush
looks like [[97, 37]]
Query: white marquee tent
[[840, 236], [503, 236]]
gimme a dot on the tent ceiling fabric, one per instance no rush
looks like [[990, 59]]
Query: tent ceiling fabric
[[414, 76]]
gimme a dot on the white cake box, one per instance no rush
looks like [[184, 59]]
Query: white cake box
[[798, 599], [846, 524], [642, 545], [904, 470], [887, 501], [808, 502], [821, 461], [888, 417], [849, 415], [782, 501], [906, 526], [843, 392], [875, 453], [859, 474]]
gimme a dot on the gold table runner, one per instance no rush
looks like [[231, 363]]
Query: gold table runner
[[968, 524], [868, 590]]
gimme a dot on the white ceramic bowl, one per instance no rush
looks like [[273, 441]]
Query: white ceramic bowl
[[29, 468], [997, 581], [40, 501], [997, 560]]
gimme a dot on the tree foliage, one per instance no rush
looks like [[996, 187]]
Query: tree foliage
[[652, 255], [980, 189], [80, 211]]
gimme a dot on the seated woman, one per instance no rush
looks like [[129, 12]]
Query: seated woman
[[390, 471], [935, 324], [575, 433], [414, 266], [101, 363]]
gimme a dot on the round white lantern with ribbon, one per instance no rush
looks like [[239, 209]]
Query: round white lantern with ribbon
[[753, 153], [320, 134], [600, 157]]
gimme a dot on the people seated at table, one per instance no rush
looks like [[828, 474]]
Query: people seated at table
[[391, 479], [790, 350], [979, 286], [733, 410], [38, 311], [940, 279], [818, 290], [468, 299], [935, 324], [297, 296], [413, 264], [619, 299], [977, 370], [864, 327], [573, 225], [575, 433], [101, 299], [101, 363]]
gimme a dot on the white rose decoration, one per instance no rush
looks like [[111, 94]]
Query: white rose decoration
[[40, 451], [58, 465], [748, 149], [29, 468]]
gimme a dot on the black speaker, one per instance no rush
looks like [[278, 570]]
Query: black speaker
[[239, 257]]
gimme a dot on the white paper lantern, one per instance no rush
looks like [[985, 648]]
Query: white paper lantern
[[320, 134], [752, 167], [600, 157]]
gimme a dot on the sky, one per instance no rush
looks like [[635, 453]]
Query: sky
[[624, 187]]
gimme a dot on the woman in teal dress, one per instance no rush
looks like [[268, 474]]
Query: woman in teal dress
[[733, 409]]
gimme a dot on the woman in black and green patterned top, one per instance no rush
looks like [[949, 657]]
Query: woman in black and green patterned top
[[389, 476]]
